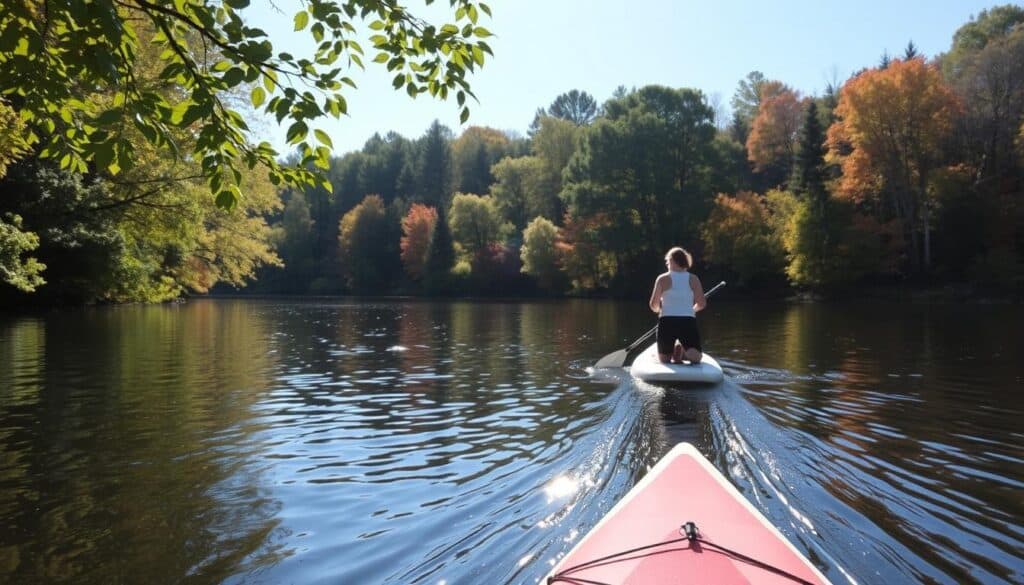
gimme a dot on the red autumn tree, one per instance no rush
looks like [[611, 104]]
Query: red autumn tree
[[417, 228], [773, 133]]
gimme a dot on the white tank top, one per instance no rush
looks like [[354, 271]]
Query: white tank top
[[678, 300]]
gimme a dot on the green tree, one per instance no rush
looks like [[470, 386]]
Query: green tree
[[809, 165], [82, 249], [738, 237], [363, 237], [434, 164], [295, 243], [578, 107], [644, 167], [476, 223], [554, 143], [472, 154], [540, 253], [12, 141], [812, 236], [990, 82], [745, 103], [21, 273], [521, 189], [995, 23], [384, 164], [94, 45], [440, 257], [145, 233]]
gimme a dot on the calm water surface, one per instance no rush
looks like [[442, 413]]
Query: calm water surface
[[240, 441]]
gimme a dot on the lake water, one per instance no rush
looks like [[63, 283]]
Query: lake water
[[342, 441]]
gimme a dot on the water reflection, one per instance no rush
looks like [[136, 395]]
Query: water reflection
[[908, 426], [460, 442], [125, 450]]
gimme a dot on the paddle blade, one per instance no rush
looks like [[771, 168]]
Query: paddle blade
[[615, 359]]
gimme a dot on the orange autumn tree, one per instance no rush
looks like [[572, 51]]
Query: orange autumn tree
[[773, 133], [417, 229], [888, 139]]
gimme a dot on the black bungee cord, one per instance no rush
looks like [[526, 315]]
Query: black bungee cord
[[691, 535]]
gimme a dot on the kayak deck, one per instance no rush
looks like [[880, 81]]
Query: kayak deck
[[684, 487], [649, 368]]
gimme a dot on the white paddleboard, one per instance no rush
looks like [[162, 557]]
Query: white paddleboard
[[649, 368]]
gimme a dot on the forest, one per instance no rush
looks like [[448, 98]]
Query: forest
[[911, 171]]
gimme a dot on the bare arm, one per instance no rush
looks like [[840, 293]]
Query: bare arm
[[659, 288], [699, 301]]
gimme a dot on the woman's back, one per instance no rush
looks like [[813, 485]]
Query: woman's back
[[677, 301]]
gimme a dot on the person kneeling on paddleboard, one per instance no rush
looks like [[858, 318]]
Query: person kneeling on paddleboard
[[677, 297]]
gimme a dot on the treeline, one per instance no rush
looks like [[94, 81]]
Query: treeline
[[910, 170]]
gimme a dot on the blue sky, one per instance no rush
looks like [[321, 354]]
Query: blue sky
[[546, 47]]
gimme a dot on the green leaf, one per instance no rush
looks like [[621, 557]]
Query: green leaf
[[301, 20], [381, 57], [226, 200], [323, 138], [108, 117], [104, 155], [258, 96], [233, 77], [297, 132], [464, 115], [192, 113], [269, 80], [216, 181]]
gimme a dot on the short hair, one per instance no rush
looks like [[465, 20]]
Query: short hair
[[681, 257]]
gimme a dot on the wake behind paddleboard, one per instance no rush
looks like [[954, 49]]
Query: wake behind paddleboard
[[640, 541]]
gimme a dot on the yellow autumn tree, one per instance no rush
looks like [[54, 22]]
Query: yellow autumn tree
[[738, 235], [888, 139]]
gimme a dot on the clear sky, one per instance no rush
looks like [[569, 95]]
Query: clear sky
[[547, 47]]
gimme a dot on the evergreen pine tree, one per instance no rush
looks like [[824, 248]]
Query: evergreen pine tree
[[911, 51], [808, 180], [435, 166], [440, 256], [812, 235]]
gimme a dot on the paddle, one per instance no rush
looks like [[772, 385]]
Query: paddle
[[617, 359]]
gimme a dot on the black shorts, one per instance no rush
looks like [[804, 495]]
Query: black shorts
[[683, 329]]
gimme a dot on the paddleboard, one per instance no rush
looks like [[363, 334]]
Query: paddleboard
[[640, 540], [649, 368]]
